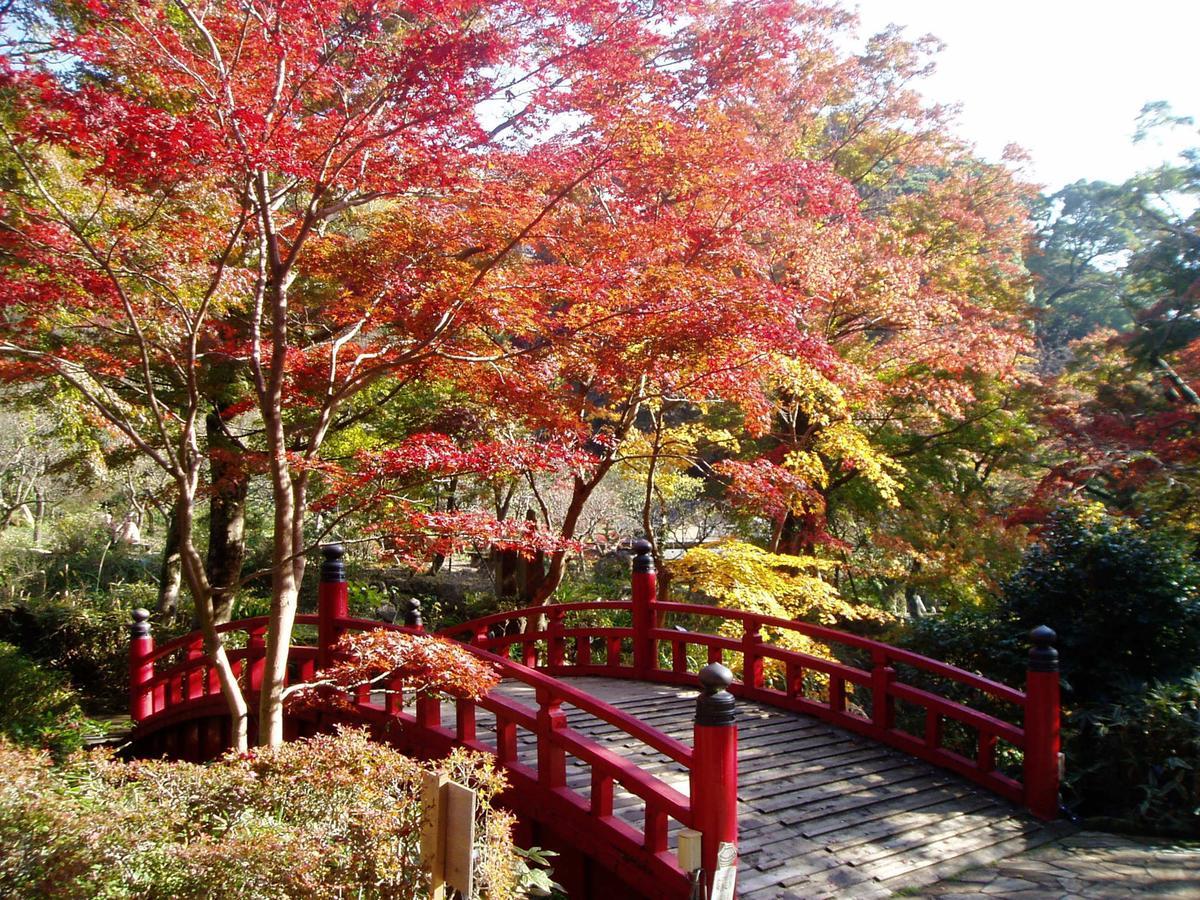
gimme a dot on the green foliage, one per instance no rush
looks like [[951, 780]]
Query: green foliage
[[39, 707], [81, 634], [978, 639], [536, 877], [333, 816], [1136, 763], [1123, 596]]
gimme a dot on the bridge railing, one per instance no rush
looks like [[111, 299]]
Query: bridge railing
[[174, 685], [859, 697]]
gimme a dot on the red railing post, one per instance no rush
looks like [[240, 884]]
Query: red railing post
[[141, 669], [1041, 725], [714, 775], [333, 601], [645, 586]]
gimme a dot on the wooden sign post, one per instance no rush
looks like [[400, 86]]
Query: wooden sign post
[[447, 835]]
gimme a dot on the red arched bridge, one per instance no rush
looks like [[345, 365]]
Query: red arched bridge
[[844, 767]]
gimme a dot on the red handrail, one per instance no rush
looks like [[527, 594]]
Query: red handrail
[[174, 682], [181, 687], [633, 651]]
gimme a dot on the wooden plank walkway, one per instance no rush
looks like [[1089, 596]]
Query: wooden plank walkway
[[822, 812]]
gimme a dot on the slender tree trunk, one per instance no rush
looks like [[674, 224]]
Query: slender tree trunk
[[227, 517], [170, 573], [580, 493], [193, 571]]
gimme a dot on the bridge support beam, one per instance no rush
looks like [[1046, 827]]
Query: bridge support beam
[[645, 589], [333, 602], [714, 776], [1042, 756], [141, 670]]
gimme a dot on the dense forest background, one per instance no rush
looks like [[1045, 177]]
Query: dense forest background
[[775, 316]]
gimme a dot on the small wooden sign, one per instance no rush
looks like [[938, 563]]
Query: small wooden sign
[[447, 835], [460, 836]]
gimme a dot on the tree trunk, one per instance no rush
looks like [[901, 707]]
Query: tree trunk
[[193, 572], [170, 573], [227, 517], [580, 492]]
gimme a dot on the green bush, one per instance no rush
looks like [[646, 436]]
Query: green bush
[[85, 636], [333, 816], [1123, 596], [39, 709], [1136, 763]]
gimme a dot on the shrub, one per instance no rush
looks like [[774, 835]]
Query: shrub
[[82, 635], [333, 816], [39, 707], [1136, 763], [1123, 596]]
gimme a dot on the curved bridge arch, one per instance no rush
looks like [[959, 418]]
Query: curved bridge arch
[[178, 710]]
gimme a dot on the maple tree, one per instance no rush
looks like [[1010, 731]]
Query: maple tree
[[309, 193]]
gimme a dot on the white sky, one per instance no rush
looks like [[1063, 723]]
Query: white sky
[[1064, 79]]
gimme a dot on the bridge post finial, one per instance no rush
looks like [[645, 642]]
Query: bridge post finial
[[714, 775], [333, 601], [141, 668], [645, 589], [1042, 768], [412, 613]]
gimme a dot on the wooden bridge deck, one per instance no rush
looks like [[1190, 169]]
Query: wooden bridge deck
[[822, 812]]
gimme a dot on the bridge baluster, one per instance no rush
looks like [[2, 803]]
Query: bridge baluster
[[551, 758], [464, 720], [256, 648], [1041, 769], [613, 659], [141, 669], [506, 740], [933, 728], [795, 681], [883, 704], [714, 774], [752, 664], [393, 700], [555, 645], [602, 793], [654, 833], [679, 660], [196, 673], [429, 711], [837, 693], [645, 587], [583, 650]]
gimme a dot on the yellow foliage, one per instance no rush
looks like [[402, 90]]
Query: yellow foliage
[[677, 447], [835, 442], [737, 575]]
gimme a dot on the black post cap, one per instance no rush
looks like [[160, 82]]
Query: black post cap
[[412, 613], [715, 705], [140, 626], [1042, 655], [643, 555], [333, 569]]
